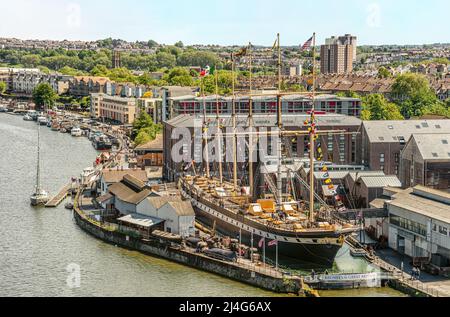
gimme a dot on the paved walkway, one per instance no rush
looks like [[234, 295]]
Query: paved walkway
[[433, 285]]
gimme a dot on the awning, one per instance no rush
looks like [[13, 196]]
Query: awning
[[141, 220]]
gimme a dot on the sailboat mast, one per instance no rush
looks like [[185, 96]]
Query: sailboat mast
[[234, 123], [38, 171], [250, 124], [280, 127], [219, 130], [311, 137]]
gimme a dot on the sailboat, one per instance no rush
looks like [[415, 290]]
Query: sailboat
[[40, 196], [299, 230]]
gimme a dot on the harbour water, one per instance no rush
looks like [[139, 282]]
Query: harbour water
[[38, 245]]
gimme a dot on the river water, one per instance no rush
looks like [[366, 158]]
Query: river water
[[39, 245]]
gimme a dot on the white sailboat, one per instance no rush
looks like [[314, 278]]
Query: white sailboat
[[40, 196]]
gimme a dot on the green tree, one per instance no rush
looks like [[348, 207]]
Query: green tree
[[439, 109], [383, 72], [43, 95], [144, 125], [412, 92], [179, 44], [165, 60], [152, 44], [2, 87], [199, 58], [377, 107]]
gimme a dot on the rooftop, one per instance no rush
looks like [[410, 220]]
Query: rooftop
[[433, 146], [156, 144], [141, 220], [381, 181], [422, 205], [401, 131], [115, 176]]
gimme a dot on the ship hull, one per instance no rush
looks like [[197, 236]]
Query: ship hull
[[304, 255]]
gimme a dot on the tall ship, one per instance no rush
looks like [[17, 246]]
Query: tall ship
[[304, 229]]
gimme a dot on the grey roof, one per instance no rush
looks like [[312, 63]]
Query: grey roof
[[182, 208], [359, 174], [381, 181], [115, 176], [332, 174], [433, 146], [141, 220], [266, 120], [390, 131], [420, 205], [126, 194]]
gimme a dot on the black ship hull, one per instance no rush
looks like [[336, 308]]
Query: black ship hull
[[307, 249]]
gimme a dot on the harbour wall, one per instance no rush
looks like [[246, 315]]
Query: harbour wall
[[288, 284]]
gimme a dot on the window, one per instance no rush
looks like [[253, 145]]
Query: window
[[445, 142], [409, 225], [438, 126], [435, 154], [434, 227], [381, 157], [390, 127], [443, 230], [425, 125]]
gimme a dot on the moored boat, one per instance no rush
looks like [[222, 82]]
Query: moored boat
[[76, 131]]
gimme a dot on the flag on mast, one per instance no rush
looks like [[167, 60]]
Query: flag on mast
[[273, 243], [307, 44]]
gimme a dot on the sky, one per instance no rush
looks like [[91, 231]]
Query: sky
[[228, 22]]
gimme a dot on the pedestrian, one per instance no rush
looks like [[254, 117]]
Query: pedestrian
[[418, 273]]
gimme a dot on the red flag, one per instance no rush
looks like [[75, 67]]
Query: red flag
[[261, 242], [273, 243]]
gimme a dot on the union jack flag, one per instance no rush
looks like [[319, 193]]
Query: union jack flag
[[307, 45]]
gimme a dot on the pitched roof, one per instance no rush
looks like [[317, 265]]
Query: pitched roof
[[433, 146], [158, 202], [156, 144], [126, 194], [182, 208], [115, 176], [381, 181], [390, 131]]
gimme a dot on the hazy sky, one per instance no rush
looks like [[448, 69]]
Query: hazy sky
[[228, 21]]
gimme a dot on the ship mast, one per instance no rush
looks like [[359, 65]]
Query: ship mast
[[250, 124], [311, 136], [219, 129], [280, 127], [205, 130], [234, 123]]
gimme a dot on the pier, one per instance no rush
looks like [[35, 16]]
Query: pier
[[58, 198]]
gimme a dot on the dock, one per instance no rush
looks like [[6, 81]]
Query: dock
[[58, 198]]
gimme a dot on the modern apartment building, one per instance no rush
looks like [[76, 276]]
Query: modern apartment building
[[82, 86], [337, 55], [25, 81], [291, 104], [339, 149], [115, 109]]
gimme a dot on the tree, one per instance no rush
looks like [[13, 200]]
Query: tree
[[412, 92], [179, 44], [376, 107], [142, 138], [85, 102], [438, 109], [199, 58], [383, 72], [179, 77], [152, 44], [144, 124], [166, 60], [43, 95], [2, 87]]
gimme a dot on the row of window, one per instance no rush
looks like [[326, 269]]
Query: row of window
[[442, 230], [409, 225]]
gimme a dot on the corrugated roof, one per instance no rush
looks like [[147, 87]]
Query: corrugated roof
[[182, 208], [381, 181], [423, 206], [141, 220]]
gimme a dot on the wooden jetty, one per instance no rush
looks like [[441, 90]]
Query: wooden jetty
[[57, 199]]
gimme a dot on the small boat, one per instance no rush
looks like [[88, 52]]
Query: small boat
[[42, 120], [68, 206], [87, 175], [3, 108], [55, 125], [49, 123], [102, 143], [76, 131], [27, 117], [40, 196], [63, 130]]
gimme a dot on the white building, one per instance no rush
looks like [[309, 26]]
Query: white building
[[419, 224]]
